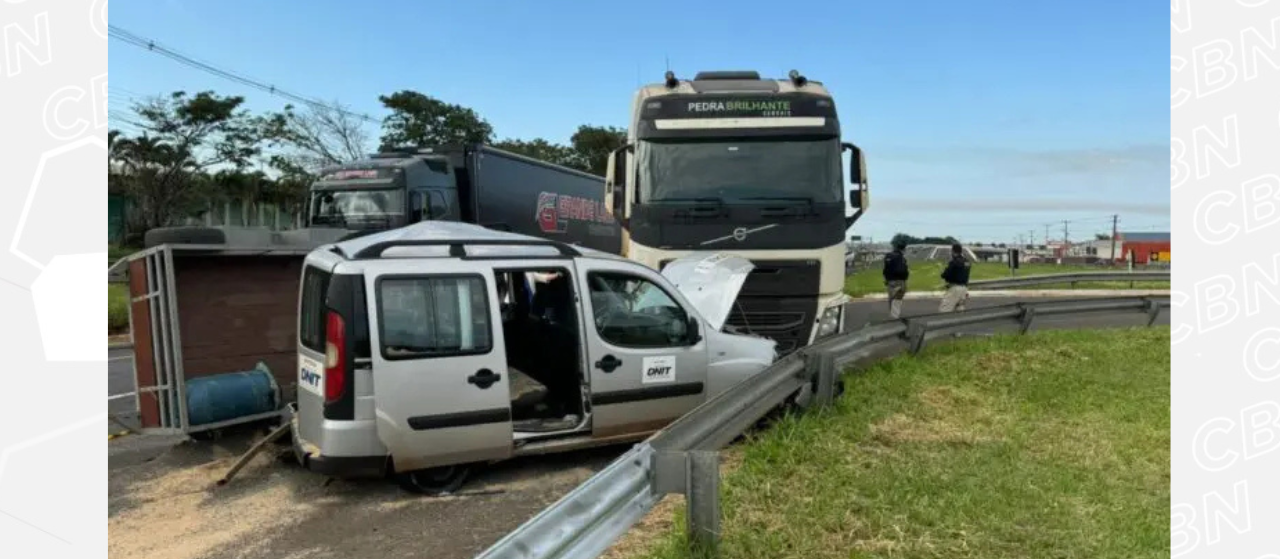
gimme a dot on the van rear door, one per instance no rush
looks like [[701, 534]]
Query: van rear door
[[439, 365], [316, 275]]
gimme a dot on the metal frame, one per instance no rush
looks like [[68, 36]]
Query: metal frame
[[161, 296], [1073, 279], [683, 457]]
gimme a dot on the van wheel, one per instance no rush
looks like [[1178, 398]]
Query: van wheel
[[434, 481]]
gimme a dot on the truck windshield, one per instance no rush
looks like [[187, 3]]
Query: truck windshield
[[746, 169], [338, 207]]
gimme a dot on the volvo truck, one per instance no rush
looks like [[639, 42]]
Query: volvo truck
[[731, 162]]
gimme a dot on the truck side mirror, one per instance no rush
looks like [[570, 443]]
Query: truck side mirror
[[694, 335], [616, 183], [857, 165], [859, 198]]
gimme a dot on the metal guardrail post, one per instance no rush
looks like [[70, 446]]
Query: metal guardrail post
[[820, 367], [916, 331], [1024, 321], [704, 502], [1153, 312]]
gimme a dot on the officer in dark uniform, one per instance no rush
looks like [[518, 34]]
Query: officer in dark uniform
[[957, 277], [896, 273]]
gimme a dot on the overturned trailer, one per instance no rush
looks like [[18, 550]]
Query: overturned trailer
[[214, 301]]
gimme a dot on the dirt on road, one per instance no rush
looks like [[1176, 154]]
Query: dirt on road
[[165, 504]]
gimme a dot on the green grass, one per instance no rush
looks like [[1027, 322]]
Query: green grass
[[926, 276], [115, 253], [1055, 444], [117, 308]]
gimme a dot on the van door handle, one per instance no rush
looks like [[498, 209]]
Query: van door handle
[[484, 378], [608, 363]]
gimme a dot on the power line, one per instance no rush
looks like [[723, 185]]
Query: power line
[[150, 45]]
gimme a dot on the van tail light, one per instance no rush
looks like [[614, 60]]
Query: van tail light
[[335, 357]]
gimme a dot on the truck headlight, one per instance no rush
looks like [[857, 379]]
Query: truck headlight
[[829, 324]]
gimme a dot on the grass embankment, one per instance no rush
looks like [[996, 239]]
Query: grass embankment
[[117, 294], [117, 308], [926, 276], [1055, 444]]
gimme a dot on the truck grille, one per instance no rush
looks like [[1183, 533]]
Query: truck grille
[[789, 325]]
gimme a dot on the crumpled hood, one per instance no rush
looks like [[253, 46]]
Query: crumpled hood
[[710, 281]]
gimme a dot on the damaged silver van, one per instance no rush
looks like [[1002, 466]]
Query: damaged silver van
[[426, 350]]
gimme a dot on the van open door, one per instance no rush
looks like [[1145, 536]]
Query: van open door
[[439, 366]]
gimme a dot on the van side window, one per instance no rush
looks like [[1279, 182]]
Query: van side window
[[315, 283], [631, 311], [435, 316]]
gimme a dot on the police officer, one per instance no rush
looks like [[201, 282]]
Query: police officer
[[957, 277], [895, 277]]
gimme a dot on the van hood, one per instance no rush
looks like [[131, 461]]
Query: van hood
[[710, 282]]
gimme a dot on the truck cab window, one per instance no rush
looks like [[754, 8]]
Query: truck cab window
[[633, 312], [433, 317], [437, 206], [342, 206]]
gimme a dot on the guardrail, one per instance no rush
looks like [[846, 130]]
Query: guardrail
[[684, 457], [1073, 279]]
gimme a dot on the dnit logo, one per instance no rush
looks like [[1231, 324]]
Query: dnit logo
[[547, 216]]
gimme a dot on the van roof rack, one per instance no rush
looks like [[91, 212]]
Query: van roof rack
[[457, 248]]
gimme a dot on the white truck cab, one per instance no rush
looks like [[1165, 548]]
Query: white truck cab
[[430, 348]]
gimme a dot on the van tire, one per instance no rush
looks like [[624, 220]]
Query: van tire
[[434, 481]]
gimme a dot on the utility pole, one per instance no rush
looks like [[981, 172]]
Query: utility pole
[[1066, 236], [1115, 221], [1046, 234]]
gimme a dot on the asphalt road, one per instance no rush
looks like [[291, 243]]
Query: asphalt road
[[119, 382]]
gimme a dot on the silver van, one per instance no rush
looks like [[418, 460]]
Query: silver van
[[428, 349]]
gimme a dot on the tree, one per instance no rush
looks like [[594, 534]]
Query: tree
[[164, 168], [1102, 236], [543, 150], [421, 121], [911, 240], [320, 136], [593, 145]]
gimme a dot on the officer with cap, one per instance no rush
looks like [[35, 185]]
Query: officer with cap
[[957, 277], [895, 277]]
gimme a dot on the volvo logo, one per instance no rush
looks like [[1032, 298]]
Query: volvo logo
[[740, 234]]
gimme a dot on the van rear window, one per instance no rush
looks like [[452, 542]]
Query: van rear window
[[315, 283], [433, 316]]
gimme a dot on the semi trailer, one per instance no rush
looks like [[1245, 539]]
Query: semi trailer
[[732, 162], [474, 184]]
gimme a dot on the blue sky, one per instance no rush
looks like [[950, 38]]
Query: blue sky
[[981, 119]]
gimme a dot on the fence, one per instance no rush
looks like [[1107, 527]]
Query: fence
[[684, 457], [1072, 279]]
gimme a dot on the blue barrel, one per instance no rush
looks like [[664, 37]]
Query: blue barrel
[[231, 395]]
